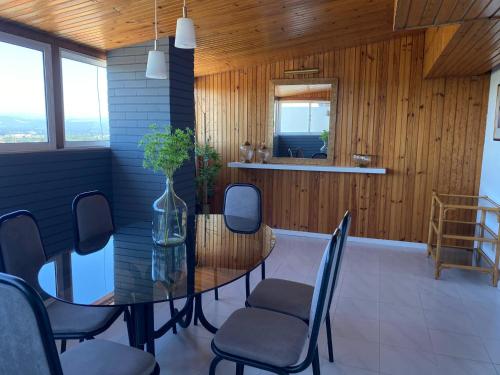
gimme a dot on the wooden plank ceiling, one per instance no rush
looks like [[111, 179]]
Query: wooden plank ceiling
[[472, 48], [230, 34], [425, 13]]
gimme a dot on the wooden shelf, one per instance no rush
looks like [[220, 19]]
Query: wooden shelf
[[311, 168]]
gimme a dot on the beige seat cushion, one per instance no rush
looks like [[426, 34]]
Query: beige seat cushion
[[283, 296], [66, 318], [263, 336], [100, 357]]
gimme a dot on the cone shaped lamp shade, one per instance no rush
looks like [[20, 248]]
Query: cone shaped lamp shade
[[156, 67], [185, 36]]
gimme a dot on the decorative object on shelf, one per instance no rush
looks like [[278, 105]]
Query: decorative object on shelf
[[325, 134], [263, 154], [246, 152], [362, 160], [156, 67], [464, 234], [185, 36], [208, 167], [165, 151], [496, 125]]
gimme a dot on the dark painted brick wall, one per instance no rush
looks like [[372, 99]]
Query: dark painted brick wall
[[135, 103], [45, 183]]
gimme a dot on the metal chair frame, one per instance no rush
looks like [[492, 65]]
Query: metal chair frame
[[312, 356], [43, 322]]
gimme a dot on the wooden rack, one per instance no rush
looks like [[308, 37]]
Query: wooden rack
[[456, 238]]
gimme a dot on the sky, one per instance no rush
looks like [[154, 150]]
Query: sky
[[22, 89]]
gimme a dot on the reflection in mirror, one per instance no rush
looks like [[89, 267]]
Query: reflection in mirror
[[301, 120]]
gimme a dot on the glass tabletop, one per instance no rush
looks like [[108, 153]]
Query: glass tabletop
[[126, 267]]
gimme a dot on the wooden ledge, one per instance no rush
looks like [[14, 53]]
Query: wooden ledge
[[311, 168]]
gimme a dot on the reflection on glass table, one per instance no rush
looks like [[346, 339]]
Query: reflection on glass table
[[126, 268]]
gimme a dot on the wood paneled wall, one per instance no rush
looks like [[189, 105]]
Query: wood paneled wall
[[428, 133]]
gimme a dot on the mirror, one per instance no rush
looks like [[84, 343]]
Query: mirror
[[302, 120]]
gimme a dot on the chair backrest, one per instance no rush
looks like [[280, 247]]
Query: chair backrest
[[320, 155], [344, 227], [27, 343], [92, 216], [21, 248], [243, 208]]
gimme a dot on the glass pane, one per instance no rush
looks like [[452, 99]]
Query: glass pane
[[85, 95], [294, 117], [320, 117], [23, 116]]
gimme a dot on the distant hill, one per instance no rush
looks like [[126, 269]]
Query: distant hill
[[33, 129]]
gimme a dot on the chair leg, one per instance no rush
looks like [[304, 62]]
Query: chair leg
[[156, 370], [315, 363], [214, 364], [172, 313], [263, 270], [240, 368], [247, 285], [216, 292], [329, 337], [130, 326], [63, 346]]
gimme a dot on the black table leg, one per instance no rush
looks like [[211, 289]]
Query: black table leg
[[142, 316], [200, 316]]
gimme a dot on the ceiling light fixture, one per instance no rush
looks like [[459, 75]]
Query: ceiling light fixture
[[156, 67], [303, 71], [185, 36]]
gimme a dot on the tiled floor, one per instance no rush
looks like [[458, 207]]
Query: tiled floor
[[389, 315]]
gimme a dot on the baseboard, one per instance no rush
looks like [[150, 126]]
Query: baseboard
[[362, 240]]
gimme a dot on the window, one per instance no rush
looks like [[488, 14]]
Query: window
[[85, 98], [303, 117], [26, 110]]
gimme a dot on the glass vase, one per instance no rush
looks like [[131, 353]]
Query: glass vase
[[324, 148], [169, 217]]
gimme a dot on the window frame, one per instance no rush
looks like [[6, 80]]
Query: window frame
[[76, 56], [278, 116], [46, 50]]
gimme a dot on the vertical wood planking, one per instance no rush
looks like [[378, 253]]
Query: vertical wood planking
[[428, 133]]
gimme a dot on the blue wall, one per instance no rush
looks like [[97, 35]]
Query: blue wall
[[310, 144], [134, 104], [46, 183]]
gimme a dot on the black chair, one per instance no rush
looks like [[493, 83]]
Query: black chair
[[319, 155], [297, 152], [292, 298], [92, 217], [243, 214], [22, 254], [28, 346], [273, 341], [93, 224]]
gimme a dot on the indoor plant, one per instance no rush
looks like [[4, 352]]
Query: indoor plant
[[324, 137], [165, 151], [209, 166]]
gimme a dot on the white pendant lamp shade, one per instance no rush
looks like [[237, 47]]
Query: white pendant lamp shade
[[185, 36], [157, 67]]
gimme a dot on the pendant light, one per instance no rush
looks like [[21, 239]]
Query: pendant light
[[185, 37], [156, 67]]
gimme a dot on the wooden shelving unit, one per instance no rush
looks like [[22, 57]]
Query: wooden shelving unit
[[456, 238]]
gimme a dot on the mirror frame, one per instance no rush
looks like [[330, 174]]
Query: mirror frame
[[333, 119]]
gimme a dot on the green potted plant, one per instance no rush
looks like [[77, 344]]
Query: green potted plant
[[209, 165], [165, 151], [325, 134]]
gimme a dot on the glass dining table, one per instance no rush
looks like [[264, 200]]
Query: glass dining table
[[126, 268]]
